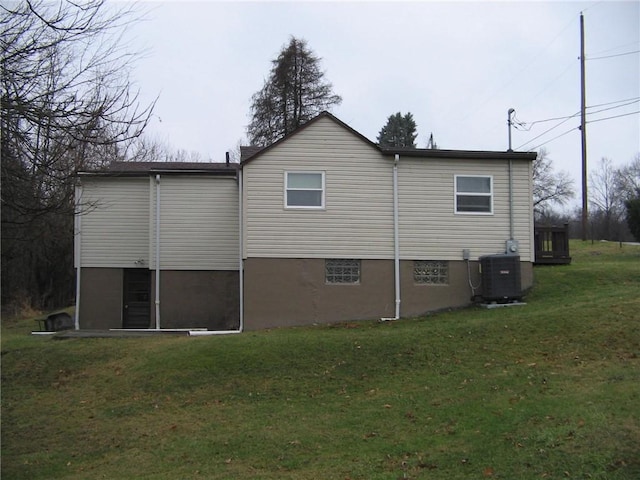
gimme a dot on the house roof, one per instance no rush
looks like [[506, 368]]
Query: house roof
[[148, 168], [248, 152], [251, 153]]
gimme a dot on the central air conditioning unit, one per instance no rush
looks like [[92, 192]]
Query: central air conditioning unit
[[500, 278]]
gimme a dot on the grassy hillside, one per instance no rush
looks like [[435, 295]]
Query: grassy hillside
[[547, 390]]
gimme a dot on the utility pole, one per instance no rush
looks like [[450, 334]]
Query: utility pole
[[583, 131]]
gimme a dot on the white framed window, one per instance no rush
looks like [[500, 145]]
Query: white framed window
[[304, 190], [431, 272], [339, 271], [474, 194]]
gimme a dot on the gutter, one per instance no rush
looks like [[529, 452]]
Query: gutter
[[396, 241], [459, 154]]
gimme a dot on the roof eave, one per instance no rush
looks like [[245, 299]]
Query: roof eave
[[231, 172], [458, 154]]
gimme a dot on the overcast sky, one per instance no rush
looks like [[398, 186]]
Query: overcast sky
[[456, 66]]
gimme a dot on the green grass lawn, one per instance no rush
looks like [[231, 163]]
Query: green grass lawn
[[547, 390]]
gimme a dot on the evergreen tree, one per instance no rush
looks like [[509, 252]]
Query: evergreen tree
[[294, 93], [400, 131]]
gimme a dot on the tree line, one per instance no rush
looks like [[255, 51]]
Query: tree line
[[68, 104], [614, 201]]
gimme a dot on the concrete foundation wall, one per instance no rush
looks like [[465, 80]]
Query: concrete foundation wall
[[287, 292], [526, 275], [197, 299], [101, 298], [278, 293], [418, 299], [188, 299]]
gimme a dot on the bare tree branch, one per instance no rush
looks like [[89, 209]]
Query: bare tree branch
[[549, 187], [67, 103]]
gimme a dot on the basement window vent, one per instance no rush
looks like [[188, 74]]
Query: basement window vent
[[431, 272], [339, 271]]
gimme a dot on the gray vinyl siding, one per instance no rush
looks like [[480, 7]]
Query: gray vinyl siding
[[198, 223], [358, 198], [114, 224], [429, 226]]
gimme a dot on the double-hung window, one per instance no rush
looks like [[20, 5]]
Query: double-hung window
[[304, 190], [474, 194]]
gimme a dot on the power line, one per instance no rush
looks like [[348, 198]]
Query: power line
[[611, 103], [551, 83], [629, 101], [616, 116], [575, 128], [522, 70], [617, 47], [547, 131], [531, 124], [611, 56], [554, 138], [613, 108]]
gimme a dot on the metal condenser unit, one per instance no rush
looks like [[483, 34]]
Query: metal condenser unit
[[500, 278]]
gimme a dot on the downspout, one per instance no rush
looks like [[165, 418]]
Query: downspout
[[194, 333], [78, 249], [157, 299], [202, 333], [509, 113], [510, 200], [396, 240], [241, 247]]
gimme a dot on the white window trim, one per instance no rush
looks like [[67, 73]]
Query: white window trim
[[303, 207], [455, 194]]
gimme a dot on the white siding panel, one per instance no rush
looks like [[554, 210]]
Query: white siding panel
[[429, 227], [357, 221], [198, 223], [114, 223]]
